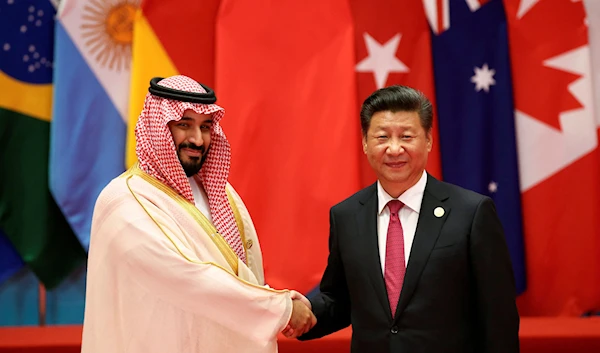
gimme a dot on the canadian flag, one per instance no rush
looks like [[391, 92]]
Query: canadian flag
[[559, 161]]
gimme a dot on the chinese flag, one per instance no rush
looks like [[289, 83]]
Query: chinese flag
[[285, 76]]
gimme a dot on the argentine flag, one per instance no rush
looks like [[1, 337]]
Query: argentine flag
[[91, 94]]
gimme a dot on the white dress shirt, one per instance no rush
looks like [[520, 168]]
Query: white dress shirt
[[409, 216], [200, 198]]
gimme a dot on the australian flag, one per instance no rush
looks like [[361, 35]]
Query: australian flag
[[476, 113]]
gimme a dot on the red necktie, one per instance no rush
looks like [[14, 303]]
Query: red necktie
[[394, 256]]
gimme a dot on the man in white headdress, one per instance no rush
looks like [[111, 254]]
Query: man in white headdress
[[175, 264]]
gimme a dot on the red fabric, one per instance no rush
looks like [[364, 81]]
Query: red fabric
[[157, 154], [395, 267], [285, 72], [552, 80], [194, 20]]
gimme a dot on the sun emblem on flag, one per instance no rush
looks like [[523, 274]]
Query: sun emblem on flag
[[108, 31]]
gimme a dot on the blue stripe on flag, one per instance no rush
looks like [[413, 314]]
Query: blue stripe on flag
[[87, 137], [10, 261], [476, 114]]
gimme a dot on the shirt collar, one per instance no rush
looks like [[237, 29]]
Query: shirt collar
[[412, 197]]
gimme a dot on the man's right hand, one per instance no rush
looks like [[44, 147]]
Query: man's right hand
[[302, 320]]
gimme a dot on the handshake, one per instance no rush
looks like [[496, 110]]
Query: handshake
[[302, 319]]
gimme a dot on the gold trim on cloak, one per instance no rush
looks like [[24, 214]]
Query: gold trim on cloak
[[208, 227]]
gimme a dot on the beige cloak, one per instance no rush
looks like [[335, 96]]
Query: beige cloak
[[160, 278]]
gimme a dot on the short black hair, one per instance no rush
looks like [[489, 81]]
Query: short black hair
[[396, 99]]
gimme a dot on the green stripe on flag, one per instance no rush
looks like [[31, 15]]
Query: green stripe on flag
[[28, 214]]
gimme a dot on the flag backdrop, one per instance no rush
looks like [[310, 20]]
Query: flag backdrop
[[393, 46], [558, 155], [476, 115], [28, 214], [91, 81], [592, 20], [266, 65], [289, 109], [10, 261], [516, 119]]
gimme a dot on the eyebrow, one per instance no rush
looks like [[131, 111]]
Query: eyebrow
[[387, 127], [187, 118]]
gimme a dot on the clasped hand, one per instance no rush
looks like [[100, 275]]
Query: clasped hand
[[302, 319]]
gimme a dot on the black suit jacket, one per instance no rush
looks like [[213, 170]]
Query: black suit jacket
[[458, 294]]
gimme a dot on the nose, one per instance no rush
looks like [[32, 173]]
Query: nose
[[395, 147], [195, 137]]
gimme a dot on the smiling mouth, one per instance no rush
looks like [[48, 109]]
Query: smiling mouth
[[192, 152], [395, 164]]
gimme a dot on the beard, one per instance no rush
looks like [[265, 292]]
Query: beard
[[191, 165]]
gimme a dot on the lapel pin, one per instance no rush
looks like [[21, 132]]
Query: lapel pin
[[438, 212]]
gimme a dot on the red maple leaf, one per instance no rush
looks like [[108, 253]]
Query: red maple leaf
[[548, 29]]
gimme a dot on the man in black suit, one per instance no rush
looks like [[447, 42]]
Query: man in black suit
[[415, 264]]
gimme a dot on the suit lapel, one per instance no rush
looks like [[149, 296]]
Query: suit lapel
[[367, 233], [426, 235]]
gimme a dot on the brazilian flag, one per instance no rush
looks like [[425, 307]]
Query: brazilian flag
[[29, 217]]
